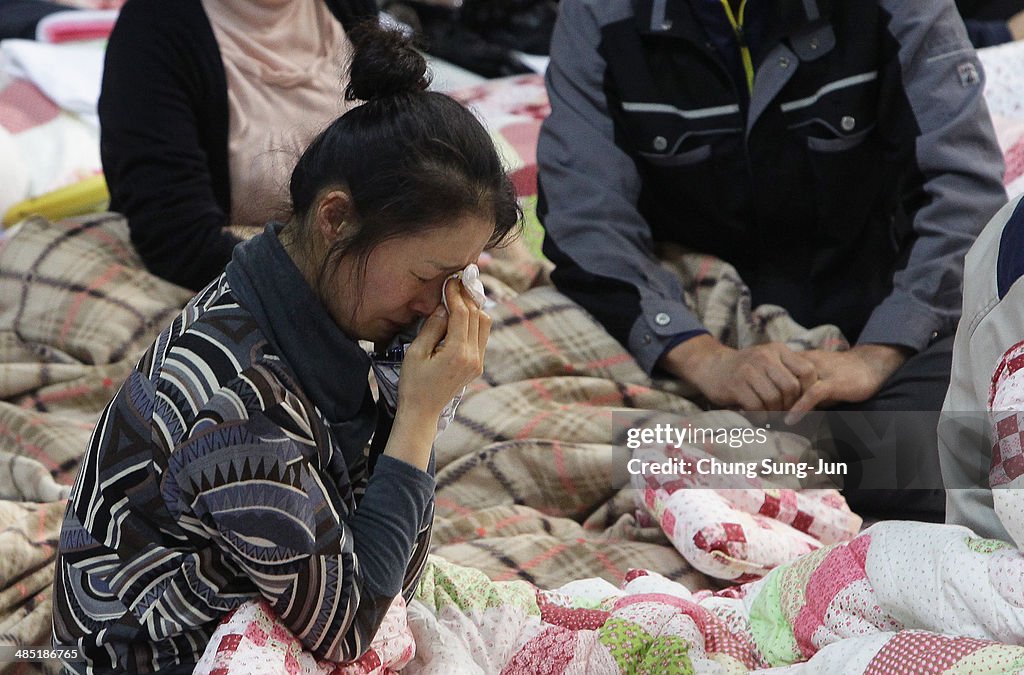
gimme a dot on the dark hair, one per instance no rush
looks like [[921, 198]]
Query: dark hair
[[409, 158]]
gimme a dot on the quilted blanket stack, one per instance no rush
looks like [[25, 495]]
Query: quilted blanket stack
[[900, 598]]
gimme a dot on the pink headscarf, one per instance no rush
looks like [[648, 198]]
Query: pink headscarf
[[285, 63]]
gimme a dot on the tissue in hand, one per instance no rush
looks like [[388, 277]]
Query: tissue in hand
[[470, 278]]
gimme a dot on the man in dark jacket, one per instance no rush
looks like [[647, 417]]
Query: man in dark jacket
[[838, 154]]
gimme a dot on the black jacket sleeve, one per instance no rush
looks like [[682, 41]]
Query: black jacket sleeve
[[351, 12], [987, 33], [163, 140], [19, 18]]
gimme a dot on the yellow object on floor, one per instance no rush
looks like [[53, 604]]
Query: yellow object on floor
[[85, 196]]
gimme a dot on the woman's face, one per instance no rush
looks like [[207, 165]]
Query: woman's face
[[403, 278]]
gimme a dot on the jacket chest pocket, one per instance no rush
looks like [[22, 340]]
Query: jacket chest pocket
[[838, 117], [685, 158], [667, 136]]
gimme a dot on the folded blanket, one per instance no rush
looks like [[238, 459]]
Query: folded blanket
[[900, 598]]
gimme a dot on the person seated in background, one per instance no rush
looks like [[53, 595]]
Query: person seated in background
[[19, 18], [979, 430], [992, 22], [232, 463], [839, 155], [204, 106]]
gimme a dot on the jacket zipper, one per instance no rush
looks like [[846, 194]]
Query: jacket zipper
[[748, 68], [737, 26]]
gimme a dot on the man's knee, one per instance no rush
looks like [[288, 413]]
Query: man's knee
[[891, 442]]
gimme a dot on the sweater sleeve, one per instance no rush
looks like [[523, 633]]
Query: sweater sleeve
[[156, 143], [330, 572]]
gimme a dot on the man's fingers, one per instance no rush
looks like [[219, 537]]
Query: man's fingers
[[747, 398], [788, 385], [804, 368], [812, 398], [766, 390]]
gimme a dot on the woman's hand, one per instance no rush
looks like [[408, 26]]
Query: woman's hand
[[434, 371], [446, 355]]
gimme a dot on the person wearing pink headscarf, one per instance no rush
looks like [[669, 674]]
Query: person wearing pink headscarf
[[205, 104]]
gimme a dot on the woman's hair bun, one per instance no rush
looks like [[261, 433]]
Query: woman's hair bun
[[384, 63]]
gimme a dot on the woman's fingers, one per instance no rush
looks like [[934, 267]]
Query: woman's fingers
[[431, 333], [477, 331], [458, 310], [484, 333], [473, 324]]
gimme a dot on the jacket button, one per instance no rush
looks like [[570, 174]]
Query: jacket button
[[647, 338], [662, 319], [783, 62], [813, 44], [847, 123], [660, 143]]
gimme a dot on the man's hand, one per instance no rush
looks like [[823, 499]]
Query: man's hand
[[765, 377], [850, 376]]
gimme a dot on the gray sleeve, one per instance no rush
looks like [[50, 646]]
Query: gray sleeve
[[591, 186], [957, 153], [389, 520]]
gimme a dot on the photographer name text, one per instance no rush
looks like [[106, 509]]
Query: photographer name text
[[709, 466]]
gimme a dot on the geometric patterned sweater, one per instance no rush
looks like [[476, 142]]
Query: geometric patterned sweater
[[212, 478]]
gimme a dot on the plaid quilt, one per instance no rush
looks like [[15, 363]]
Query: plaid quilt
[[76, 311]]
